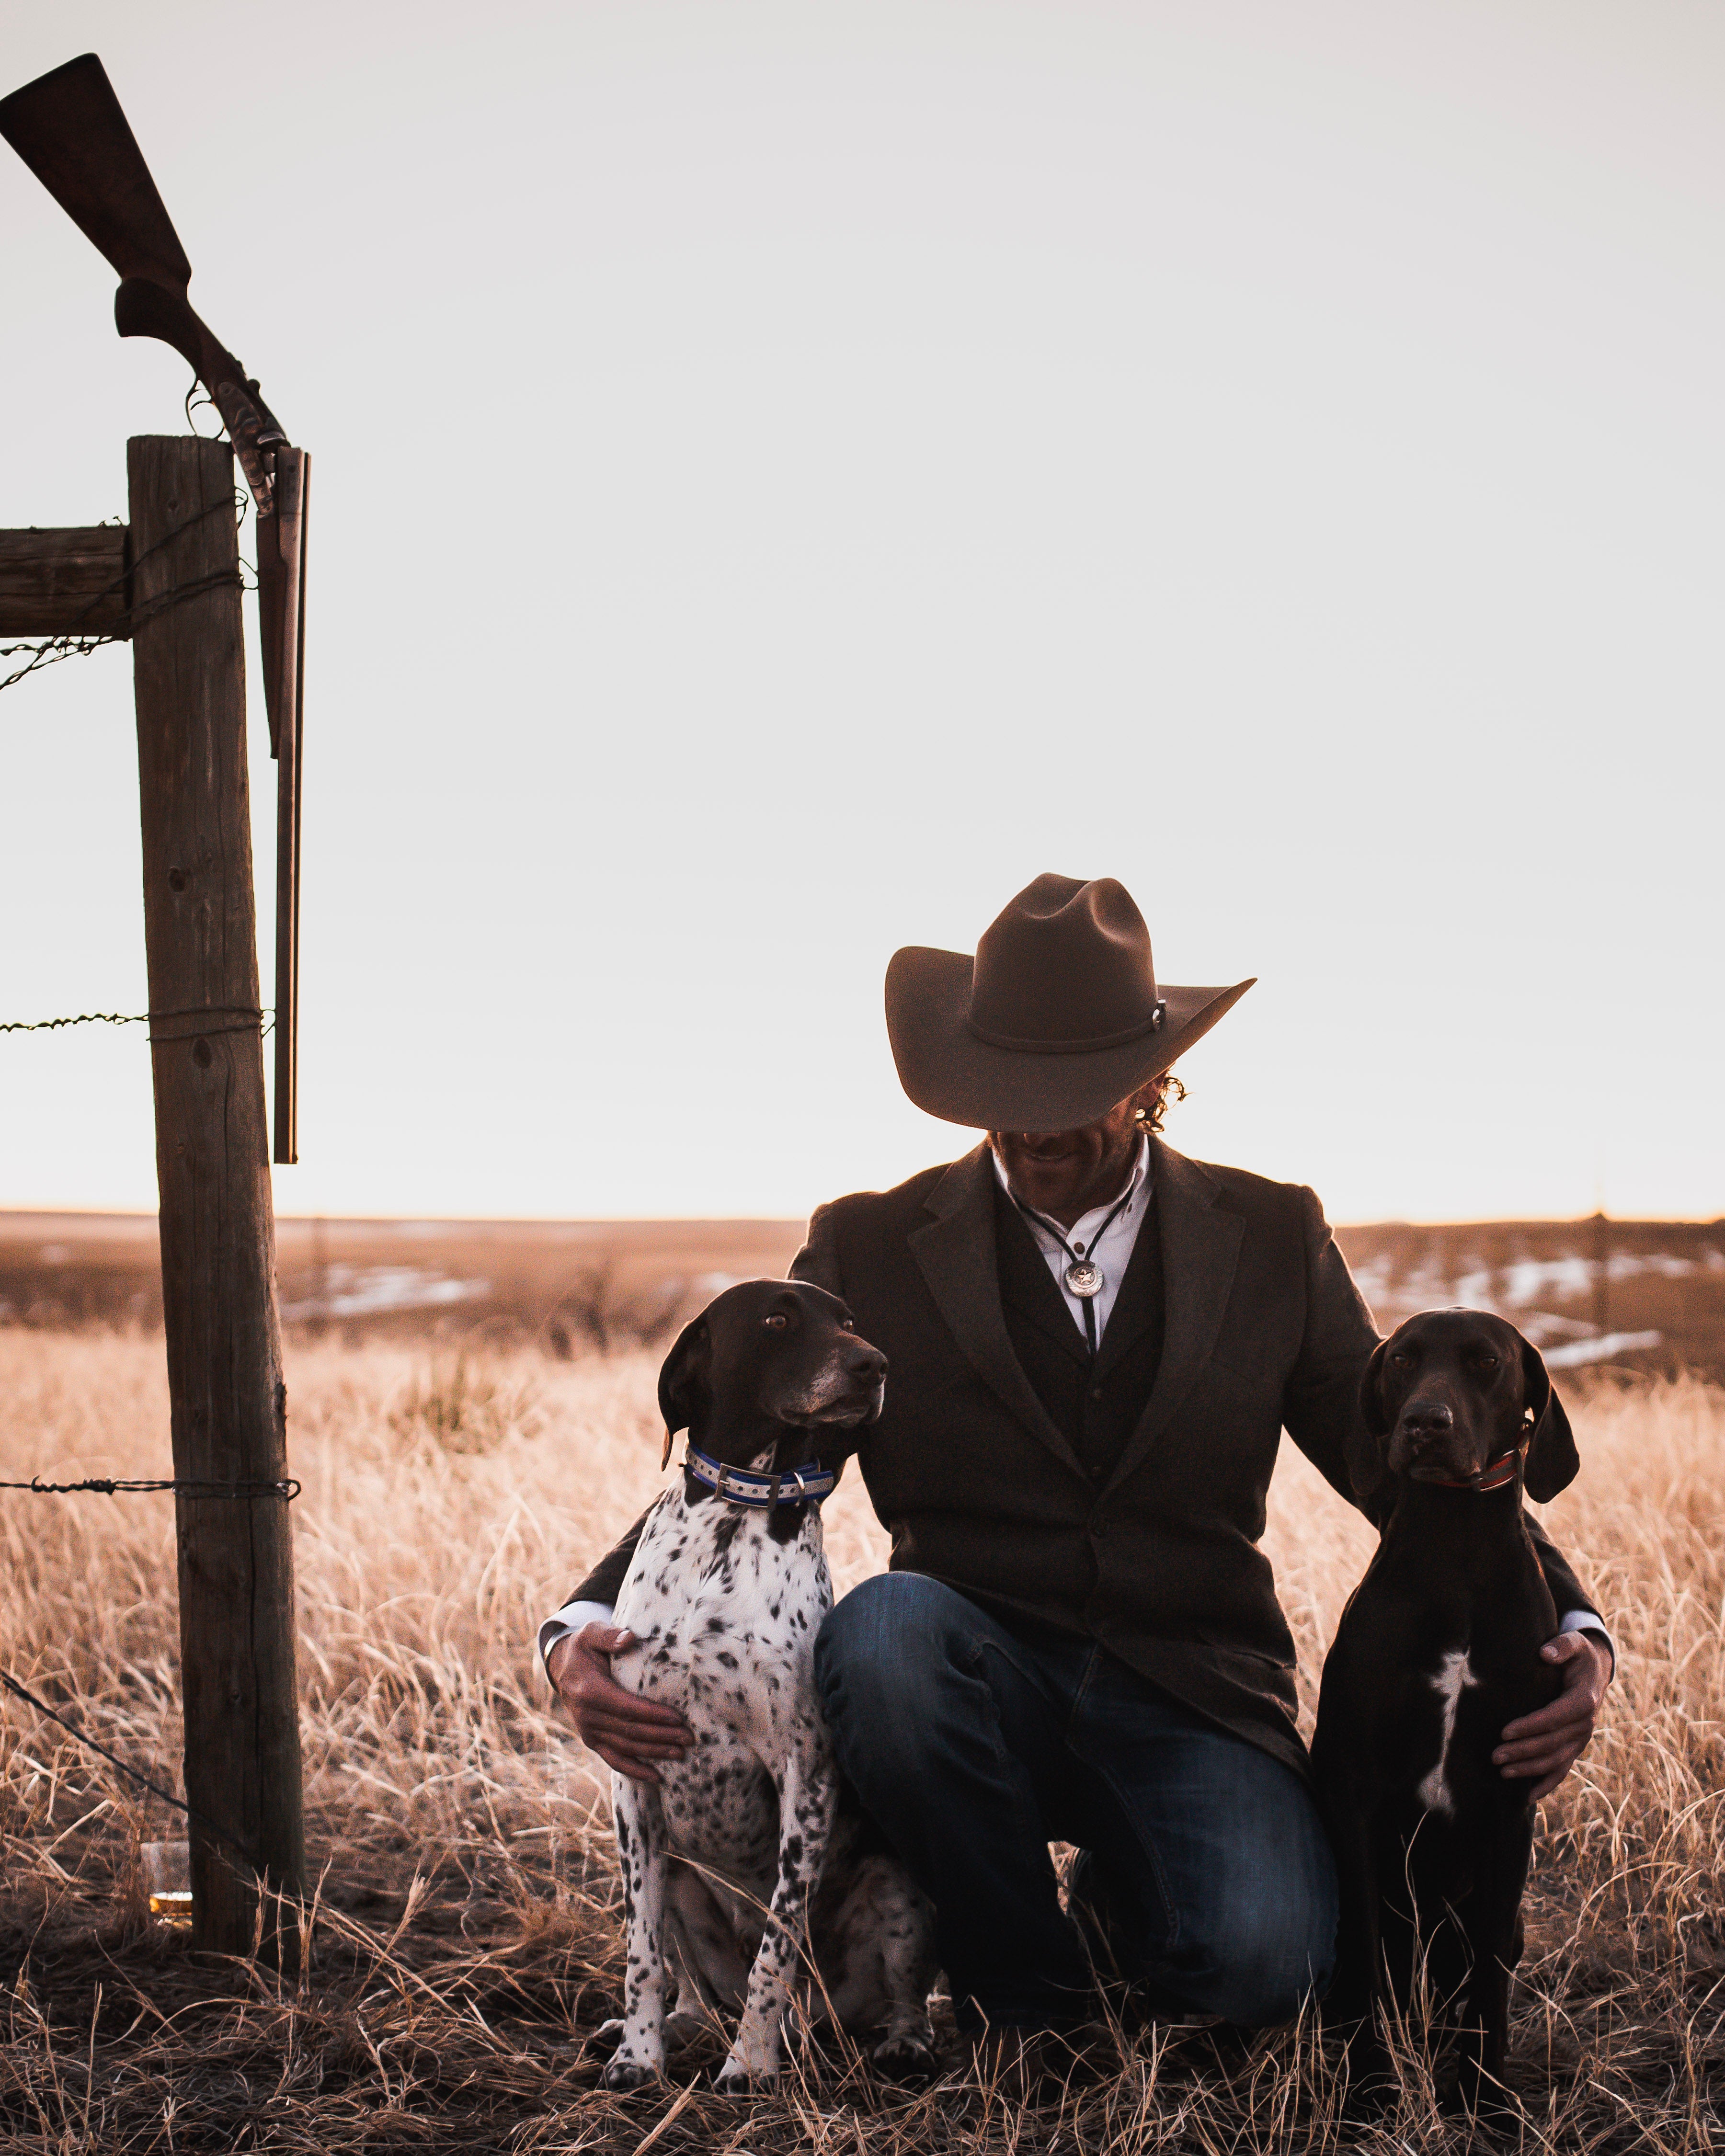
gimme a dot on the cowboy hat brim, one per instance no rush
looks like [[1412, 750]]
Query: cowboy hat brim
[[948, 1072]]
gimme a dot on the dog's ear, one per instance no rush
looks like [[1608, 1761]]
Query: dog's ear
[[685, 1381], [1553, 1461], [1371, 1412], [1371, 1426]]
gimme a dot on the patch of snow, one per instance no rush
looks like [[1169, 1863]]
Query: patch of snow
[[1543, 1325], [1568, 1279], [367, 1291], [1572, 1278], [1600, 1349], [1520, 1286]]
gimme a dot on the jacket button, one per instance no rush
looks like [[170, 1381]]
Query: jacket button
[[1099, 1527], [1095, 1392]]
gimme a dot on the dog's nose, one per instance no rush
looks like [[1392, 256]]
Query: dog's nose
[[865, 1362], [1427, 1419]]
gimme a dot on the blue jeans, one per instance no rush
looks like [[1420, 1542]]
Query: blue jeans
[[1206, 1874]]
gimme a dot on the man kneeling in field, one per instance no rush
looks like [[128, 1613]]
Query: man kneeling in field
[[1094, 1346]]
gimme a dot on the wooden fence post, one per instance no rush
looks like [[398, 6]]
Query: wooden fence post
[[229, 1403]]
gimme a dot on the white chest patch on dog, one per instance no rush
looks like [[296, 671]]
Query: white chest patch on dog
[[1455, 1674]]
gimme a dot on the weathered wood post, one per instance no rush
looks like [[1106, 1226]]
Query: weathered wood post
[[1602, 1273], [229, 1402]]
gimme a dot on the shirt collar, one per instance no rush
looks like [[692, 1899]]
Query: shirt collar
[[1137, 1186]]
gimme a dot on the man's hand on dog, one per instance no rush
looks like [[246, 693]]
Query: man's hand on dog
[[1542, 1747], [630, 1734]]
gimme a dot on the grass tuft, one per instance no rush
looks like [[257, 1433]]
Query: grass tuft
[[469, 1406]]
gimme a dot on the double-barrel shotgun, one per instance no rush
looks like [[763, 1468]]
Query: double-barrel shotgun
[[69, 128]]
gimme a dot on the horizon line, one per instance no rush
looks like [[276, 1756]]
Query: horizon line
[[19, 1213]]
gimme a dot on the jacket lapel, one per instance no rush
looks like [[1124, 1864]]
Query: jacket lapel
[[1027, 1286], [1139, 1306], [1201, 1248], [956, 1253]]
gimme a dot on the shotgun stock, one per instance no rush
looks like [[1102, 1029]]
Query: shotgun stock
[[69, 128]]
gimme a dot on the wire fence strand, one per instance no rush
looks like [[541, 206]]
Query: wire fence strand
[[73, 645], [147, 1017], [107, 1486], [83, 1018], [113, 1759], [49, 653]]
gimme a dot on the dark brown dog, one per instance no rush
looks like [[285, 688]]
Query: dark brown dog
[[1437, 1650]]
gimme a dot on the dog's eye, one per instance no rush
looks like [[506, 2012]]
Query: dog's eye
[[1488, 1362], [777, 1321], [1401, 1361]]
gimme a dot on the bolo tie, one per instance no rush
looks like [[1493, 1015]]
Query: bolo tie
[[1084, 1276]]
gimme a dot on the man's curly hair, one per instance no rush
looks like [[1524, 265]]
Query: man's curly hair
[[1153, 1099]]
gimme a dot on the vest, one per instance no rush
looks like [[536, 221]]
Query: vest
[[1094, 1406]]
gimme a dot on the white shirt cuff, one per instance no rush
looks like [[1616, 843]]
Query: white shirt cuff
[[1577, 1620], [572, 1616]]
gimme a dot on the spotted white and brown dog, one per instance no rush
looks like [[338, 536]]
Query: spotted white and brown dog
[[748, 1858]]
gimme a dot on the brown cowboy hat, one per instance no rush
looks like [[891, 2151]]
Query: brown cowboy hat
[[1056, 1019]]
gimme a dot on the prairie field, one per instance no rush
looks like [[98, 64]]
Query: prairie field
[[466, 1931], [1646, 1296]]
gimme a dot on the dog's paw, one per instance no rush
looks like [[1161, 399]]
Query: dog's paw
[[905, 2059], [733, 2079], [624, 2074]]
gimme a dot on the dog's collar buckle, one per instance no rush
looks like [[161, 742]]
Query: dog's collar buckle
[[740, 1485]]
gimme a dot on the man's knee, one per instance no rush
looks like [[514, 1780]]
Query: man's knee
[[1270, 1955], [879, 1637], [881, 1661]]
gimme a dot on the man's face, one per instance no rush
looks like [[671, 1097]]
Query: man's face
[[1065, 1174]]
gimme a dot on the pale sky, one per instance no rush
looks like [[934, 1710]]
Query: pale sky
[[786, 474]]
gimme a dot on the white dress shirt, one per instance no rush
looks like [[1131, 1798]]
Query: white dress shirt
[[1112, 1254]]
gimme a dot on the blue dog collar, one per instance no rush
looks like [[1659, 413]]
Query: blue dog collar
[[740, 1486]]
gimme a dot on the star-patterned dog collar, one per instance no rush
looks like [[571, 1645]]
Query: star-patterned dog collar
[[742, 1485]]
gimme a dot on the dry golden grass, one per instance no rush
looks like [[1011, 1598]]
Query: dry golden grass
[[467, 1926]]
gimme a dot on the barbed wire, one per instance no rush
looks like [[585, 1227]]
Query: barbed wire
[[142, 1017], [83, 1018], [114, 1759], [75, 645], [106, 1486], [51, 652]]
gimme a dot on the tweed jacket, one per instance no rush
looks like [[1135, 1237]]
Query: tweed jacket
[[1157, 1557]]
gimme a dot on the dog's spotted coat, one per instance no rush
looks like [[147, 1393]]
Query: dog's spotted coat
[[743, 1841]]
